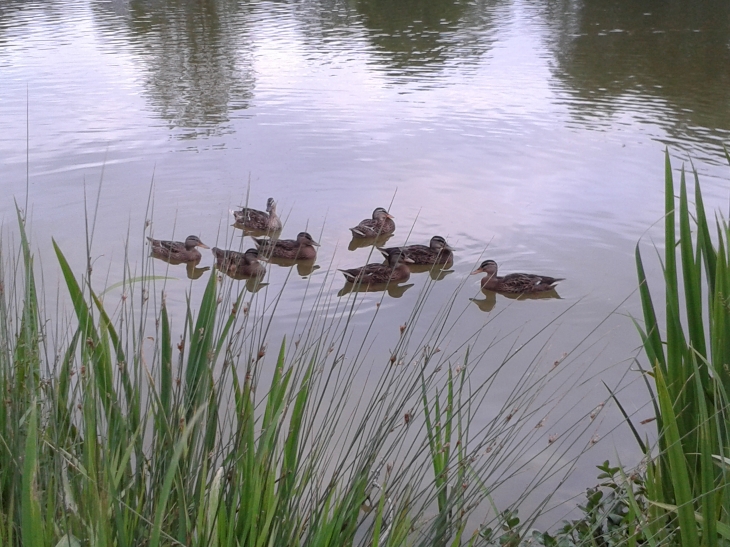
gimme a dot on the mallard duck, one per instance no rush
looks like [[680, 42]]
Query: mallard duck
[[177, 251], [239, 264], [438, 252], [395, 271], [381, 224], [301, 248], [258, 220], [515, 282]]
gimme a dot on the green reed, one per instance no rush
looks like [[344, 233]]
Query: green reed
[[113, 433], [687, 482]]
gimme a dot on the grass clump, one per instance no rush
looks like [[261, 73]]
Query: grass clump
[[687, 484], [115, 433]]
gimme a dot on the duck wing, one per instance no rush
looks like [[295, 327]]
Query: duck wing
[[226, 259], [166, 247], [367, 228], [369, 275], [252, 218], [522, 282], [420, 254]]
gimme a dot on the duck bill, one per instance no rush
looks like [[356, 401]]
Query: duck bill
[[478, 270], [314, 243], [203, 245], [448, 248], [389, 215]]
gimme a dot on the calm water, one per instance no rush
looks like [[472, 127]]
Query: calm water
[[530, 133]]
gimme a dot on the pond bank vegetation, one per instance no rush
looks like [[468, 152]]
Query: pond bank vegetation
[[117, 430]]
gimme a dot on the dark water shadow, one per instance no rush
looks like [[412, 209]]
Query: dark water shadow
[[193, 272], [253, 283], [393, 290], [487, 303], [363, 242], [305, 268], [436, 271]]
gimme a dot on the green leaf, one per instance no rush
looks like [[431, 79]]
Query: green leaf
[[31, 522]]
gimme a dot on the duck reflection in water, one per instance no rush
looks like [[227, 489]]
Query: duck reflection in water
[[273, 234], [490, 298], [436, 271], [363, 242], [192, 270], [305, 268], [394, 290]]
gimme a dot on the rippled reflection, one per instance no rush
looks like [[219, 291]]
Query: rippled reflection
[[196, 55], [667, 63], [419, 37]]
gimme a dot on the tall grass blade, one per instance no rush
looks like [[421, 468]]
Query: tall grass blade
[[678, 465], [164, 494], [31, 522]]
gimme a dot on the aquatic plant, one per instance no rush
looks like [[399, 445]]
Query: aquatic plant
[[687, 479]]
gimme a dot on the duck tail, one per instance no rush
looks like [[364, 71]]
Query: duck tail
[[349, 276]]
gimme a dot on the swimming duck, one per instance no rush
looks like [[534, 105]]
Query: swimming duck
[[177, 251], [438, 252], [258, 220], [239, 264], [301, 248], [396, 271], [381, 224], [515, 282]]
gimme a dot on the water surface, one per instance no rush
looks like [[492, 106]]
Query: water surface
[[530, 134]]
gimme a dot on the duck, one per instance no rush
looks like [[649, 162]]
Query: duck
[[395, 271], [239, 264], [253, 219], [301, 248], [514, 282], [438, 252], [380, 225], [177, 251]]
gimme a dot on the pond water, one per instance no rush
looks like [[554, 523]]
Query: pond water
[[529, 133]]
